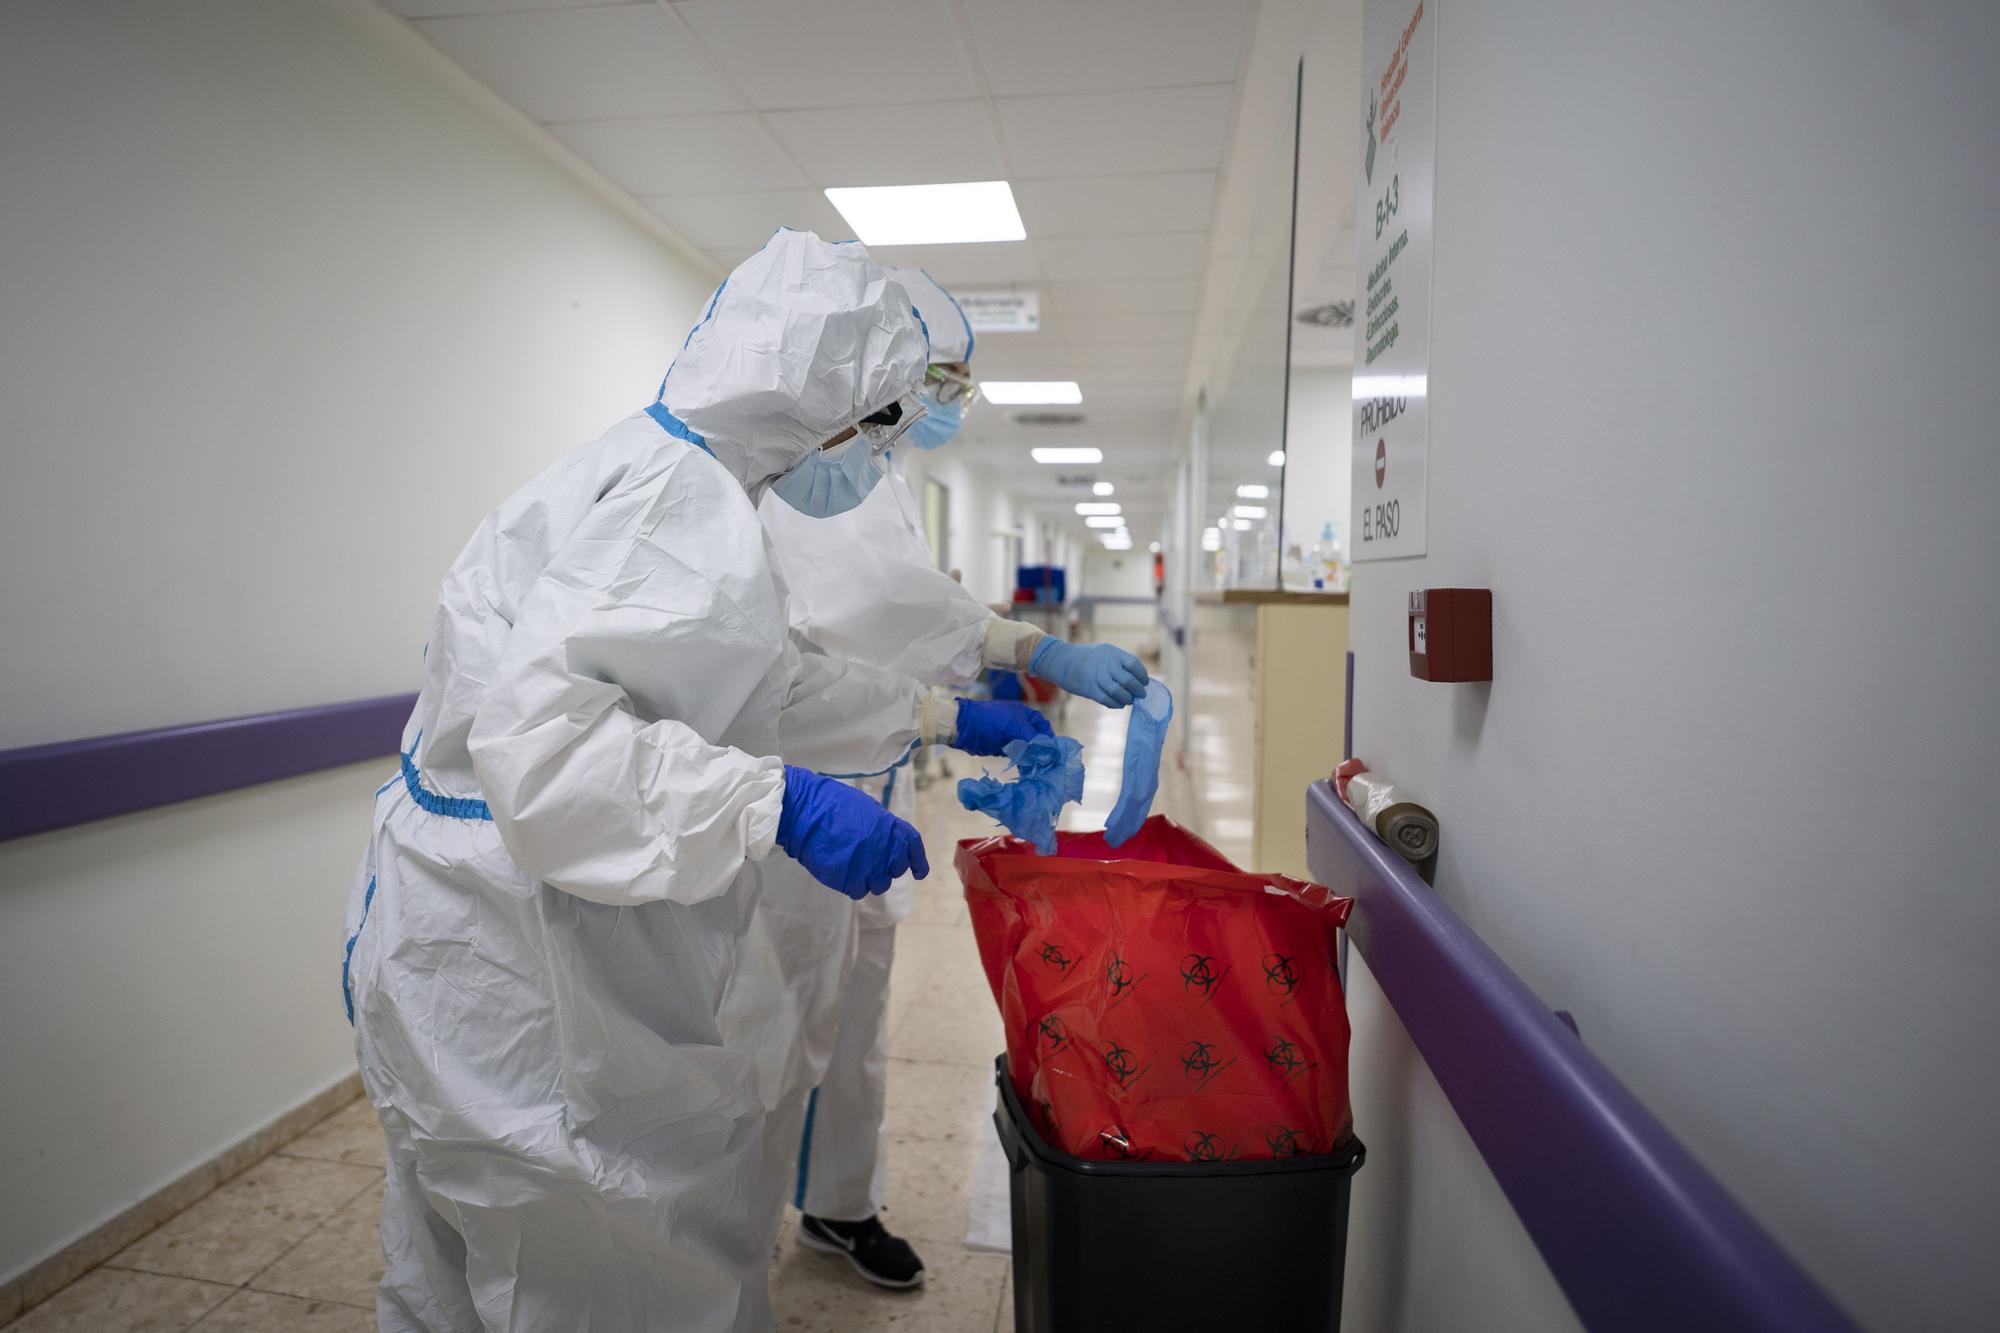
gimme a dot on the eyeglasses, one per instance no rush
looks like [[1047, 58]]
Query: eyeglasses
[[949, 387]]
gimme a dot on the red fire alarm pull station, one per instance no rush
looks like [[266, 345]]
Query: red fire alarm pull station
[[1451, 634]]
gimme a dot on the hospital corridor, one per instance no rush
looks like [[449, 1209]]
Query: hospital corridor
[[1007, 666]]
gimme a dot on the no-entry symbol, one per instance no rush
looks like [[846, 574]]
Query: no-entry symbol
[[1381, 462]]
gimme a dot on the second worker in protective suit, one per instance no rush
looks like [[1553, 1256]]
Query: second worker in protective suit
[[561, 885], [863, 586]]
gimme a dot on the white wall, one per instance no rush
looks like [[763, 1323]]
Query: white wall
[[1318, 431], [1119, 574], [286, 314], [1425, 1184], [981, 508], [1713, 412]]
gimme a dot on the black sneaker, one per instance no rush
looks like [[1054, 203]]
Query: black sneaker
[[885, 1260]]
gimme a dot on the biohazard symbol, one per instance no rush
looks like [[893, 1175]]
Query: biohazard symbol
[[1201, 1146], [1281, 975], [1198, 1059], [1285, 1142], [1118, 973], [1285, 1057], [1198, 974], [1053, 1032], [1119, 1061], [1053, 955]]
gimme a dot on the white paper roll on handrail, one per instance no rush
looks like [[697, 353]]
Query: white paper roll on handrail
[[1409, 828]]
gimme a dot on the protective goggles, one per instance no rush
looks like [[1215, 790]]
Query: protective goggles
[[885, 426], [948, 386]]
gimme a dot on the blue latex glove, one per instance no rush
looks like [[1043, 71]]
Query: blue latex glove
[[1050, 772], [1097, 671], [985, 726], [844, 836], [1144, 737]]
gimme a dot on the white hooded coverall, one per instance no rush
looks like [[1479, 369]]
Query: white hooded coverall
[[561, 882], [863, 586]]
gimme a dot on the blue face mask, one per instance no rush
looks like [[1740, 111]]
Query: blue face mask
[[938, 425], [831, 481]]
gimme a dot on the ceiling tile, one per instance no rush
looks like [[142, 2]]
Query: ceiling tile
[[993, 263], [1127, 296], [447, 9], [1102, 134], [739, 223], [1039, 356], [682, 155], [1175, 255], [1117, 205], [992, 340], [1119, 356], [1082, 330], [420, 9], [1123, 385], [892, 145], [784, 53], [1052, 46], [584, 63]]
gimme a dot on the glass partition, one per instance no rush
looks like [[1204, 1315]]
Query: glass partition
[[1319, 418], [1246, 405]]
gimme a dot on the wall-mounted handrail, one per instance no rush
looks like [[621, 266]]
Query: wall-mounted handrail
[[1638, 1235], [44, 787]]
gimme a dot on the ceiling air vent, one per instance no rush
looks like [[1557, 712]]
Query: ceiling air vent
[[1047, 418], [1332, 315]]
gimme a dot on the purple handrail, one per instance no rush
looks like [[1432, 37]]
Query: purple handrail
[[44, 787], [1640, 1238]]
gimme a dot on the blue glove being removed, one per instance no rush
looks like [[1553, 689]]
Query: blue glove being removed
[[1049, 773], [844, 837], [1097, 671], [985, 727], [1145, 736]]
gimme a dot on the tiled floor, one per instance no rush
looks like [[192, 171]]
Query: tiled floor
[[291, 1243]]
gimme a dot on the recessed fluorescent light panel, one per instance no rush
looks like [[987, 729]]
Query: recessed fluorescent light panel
[[1104, 521], [930, 214], [1067, 455], [1249, 511], [1252, 492], [1240, 524], [1117, 543], [1099, 507], [1030, 393], [1103, 488]]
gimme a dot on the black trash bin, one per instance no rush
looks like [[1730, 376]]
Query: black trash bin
[[1106, 1247]]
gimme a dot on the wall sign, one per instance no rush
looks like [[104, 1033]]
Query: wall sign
[[1001, 312], [1392, 311]]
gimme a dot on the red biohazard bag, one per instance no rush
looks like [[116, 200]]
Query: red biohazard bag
[[1159, 1003]]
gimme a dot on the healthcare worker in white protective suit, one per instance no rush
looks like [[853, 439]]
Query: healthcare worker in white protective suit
[[863, 586], [560, 881]]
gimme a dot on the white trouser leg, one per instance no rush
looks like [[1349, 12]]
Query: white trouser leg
[[844, 1162], [423, 1287]]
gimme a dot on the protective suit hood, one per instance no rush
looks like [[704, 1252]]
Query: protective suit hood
[[800, 342], [944, 320]]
